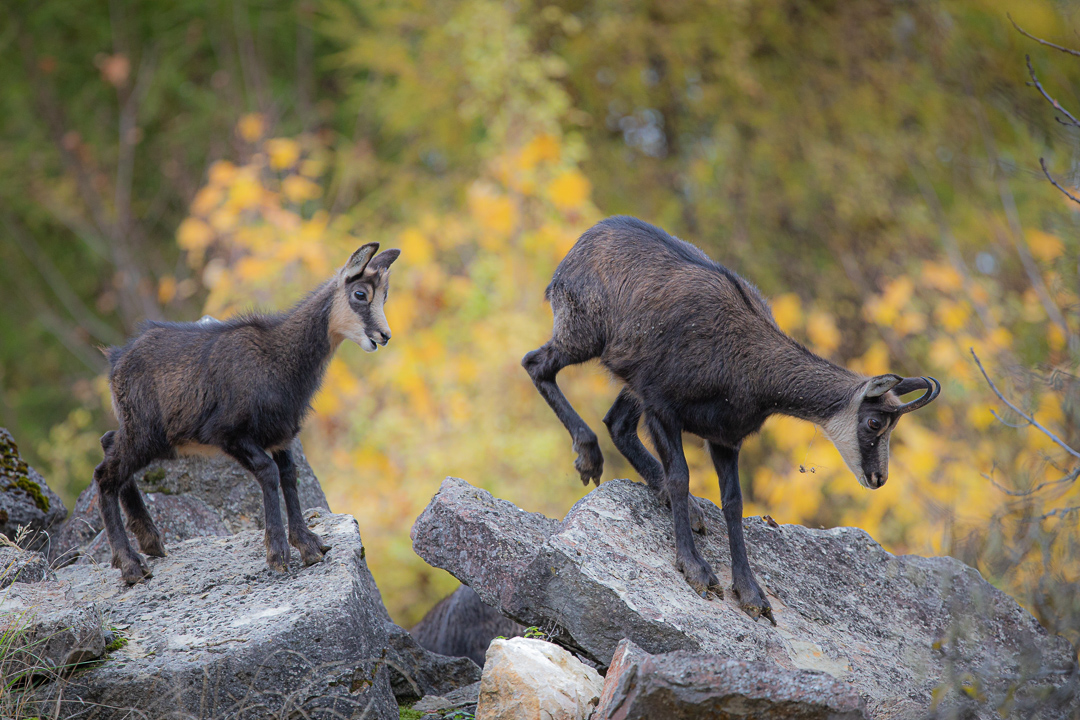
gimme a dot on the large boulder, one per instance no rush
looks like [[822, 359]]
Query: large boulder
[[684, 686], [45, 632], [187, 497], [23, 566], [530, 679], [216, 634], [25, 499], [913, 636], [463, 625]]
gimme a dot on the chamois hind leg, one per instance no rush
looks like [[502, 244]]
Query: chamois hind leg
[[667, 437], [309, 544], [622, 422], [543, 364], [120, 463], [258, 463], [139, 522]]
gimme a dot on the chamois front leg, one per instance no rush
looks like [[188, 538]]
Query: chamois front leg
[[668, 440], [258, 463], [309, 544], [543, 365], [747, 591]]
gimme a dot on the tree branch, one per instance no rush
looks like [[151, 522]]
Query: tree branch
[[1055, 183], [1056, 105], [1030, 418], [1025, 33]]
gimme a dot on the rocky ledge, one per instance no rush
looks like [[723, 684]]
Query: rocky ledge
[[216, 634], [913, 637]]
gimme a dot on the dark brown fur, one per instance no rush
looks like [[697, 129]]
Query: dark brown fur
[[699, 351], [242, 387]]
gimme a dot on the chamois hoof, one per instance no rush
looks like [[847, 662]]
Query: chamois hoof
[[311, 547], [133, 568], [151, 545], [590, 462], [277, 553], [752, 599], [700, 576]]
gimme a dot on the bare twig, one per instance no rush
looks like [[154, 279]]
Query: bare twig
[[1038, 86], [1062, 512], [1025, 33], [1055, 182], [1030, 418], [1063, 480]]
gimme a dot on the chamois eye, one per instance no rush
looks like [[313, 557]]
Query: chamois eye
[[360, 295], [873, 423]]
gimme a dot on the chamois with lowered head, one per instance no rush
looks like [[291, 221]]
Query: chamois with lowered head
[[699, 351], [241, 387]]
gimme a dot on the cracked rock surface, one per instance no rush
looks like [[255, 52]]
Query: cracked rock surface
[[216, 634], [898, 630]]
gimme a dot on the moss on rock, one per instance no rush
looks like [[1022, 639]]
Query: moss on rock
[[18, 472]]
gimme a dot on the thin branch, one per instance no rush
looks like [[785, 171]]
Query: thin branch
[[1060, 511], [1006, 423], [1030, 418], [1063, 480], [1057, 106], [1055, 182], [1025, 33]]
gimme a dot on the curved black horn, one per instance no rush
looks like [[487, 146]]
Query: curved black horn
[[933, 388]]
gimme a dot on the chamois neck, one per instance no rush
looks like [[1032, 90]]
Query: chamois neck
[[809, 387], [303, 336]]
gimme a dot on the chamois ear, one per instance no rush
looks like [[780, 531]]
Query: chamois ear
[[881, 384], [359, 261], [384, 259]]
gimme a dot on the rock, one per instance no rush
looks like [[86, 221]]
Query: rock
[[46, 632], [683, 686], [416, 672], [23, 566], [463, 625], [899, 629], [188, 497], [25, 499], [217, 634], [462, 701], [528, 679]]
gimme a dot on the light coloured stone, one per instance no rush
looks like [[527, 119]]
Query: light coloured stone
[[529, 679]]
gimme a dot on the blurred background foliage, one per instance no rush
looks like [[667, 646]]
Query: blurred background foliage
[[872, 166]]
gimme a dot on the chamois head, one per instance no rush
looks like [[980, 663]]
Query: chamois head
[[357, 312], [861, 430]]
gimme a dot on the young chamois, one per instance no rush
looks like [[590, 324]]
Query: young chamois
[[242, 387], [699, 351]]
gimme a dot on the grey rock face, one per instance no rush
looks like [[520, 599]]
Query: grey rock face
[[463, 625], [188, 497], [46, 631], [896, 628], [680, 686], [25, 499], [23, 566], [416, 672], [216, 634]]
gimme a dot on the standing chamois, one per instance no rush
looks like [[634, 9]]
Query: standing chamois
[[699, 351], [242, 387]]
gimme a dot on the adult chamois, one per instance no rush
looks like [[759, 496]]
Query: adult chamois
[[699, 351], [242, 387]]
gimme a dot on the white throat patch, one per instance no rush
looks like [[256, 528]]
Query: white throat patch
[[843, 430]]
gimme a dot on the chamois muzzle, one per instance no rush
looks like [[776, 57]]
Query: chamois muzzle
[[933, 388], [380, 337]]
